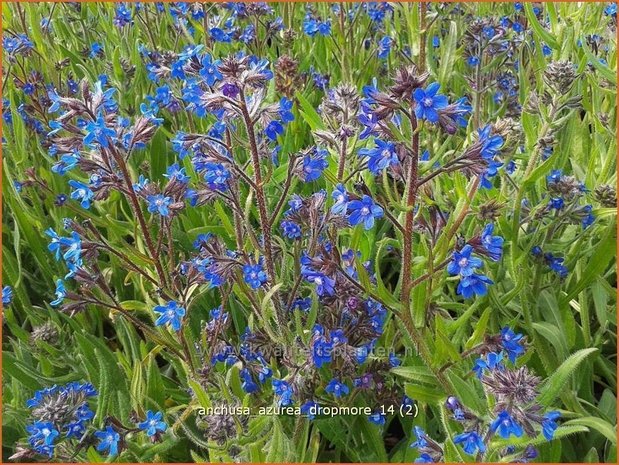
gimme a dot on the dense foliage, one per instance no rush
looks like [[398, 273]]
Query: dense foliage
[[309, 232]]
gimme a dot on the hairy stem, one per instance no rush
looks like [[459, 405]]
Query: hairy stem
[[410, 196], [259, 188], [135, 203], [342, 161], [265, 222]]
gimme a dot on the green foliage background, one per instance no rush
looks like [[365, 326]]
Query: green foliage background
[[570, 324]]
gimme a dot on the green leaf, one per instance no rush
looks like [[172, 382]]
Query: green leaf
[[419, 373], [158, 158], [448, 54], [309, 113], [608, 430], [604, 70], [546, 36], [429, 395], [556, 383]]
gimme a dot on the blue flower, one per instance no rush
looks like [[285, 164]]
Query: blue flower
[[493, 361], [67, 162], [7, 295], [141, 184], [249, 34], [324, 284], [83, 413], [122, 16], [377, 418], [324, 28], [309, 408], [428, 102], [310, 26], [463, 263], [290, 229], [512, 343], [109, 440], [421, 438], [549, 424], [380, 157], [337, 388], [452, 403], [394, 361], [492, 244], [384, 47], [61, 293], [219, 35], [17, 45], [490, 144], [368, 120], [72, 246], [254, 275], [97, 131], [471, 442], [321, 351], [158, 203], [247, 382], [321, 81], [274, 129], [611, 9], [473, 285], [556, 264], [216, 176], [314, 163], [96, 49], [170, 314], [42, 433], [364, 211], [341, 200], [75, 429], [81, 192], [505, 425], [210, 71], [282, 389], [175, 172], [589, 218], [264, 373], [285, 110], [424, 458], [302, 304], [153, 423], [556, 203]]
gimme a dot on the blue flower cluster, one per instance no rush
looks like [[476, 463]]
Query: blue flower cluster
[[15, 45], [514, 390], [170, 314], [362, 210], [60, 413], [465, 265], [554, 263], [70, 250]]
